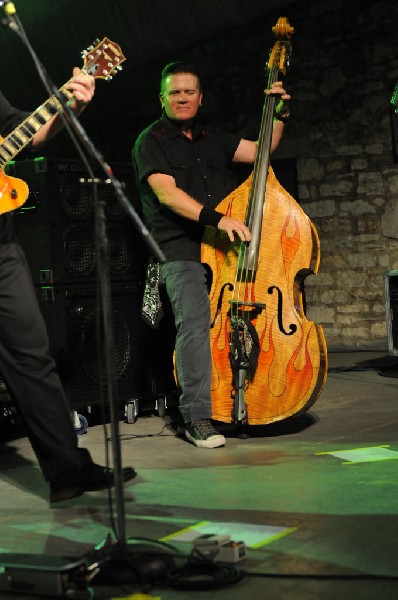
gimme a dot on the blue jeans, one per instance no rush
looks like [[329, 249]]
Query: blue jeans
[[186, 288]]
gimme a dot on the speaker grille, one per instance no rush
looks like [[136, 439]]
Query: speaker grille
[[56, 226], [78, 345], [79, 250]]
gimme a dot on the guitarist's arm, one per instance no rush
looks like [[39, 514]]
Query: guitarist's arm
[[82, 86]]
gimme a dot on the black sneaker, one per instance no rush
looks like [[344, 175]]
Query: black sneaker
[[87, 478], [202, 434]]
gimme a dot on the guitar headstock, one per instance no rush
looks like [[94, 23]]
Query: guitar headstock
[[102, 59]]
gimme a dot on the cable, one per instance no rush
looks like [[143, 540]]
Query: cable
[[348, 369], [322, 576], [160, 543], [200, 572], [132, 436], [203, 575]]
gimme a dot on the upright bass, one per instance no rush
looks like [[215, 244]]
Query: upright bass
[[268, 361]]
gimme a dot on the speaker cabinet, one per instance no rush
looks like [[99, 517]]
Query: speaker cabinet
[[391, 295], [394, 132], [56, 229], [56, 226], [74, 323]]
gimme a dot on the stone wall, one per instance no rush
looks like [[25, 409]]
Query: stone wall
[[343, 71]]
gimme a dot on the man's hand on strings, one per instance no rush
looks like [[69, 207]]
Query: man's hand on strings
[[282, 99], [277, 89], [234, 228]]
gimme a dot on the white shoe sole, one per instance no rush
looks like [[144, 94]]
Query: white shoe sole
[[215, 441]]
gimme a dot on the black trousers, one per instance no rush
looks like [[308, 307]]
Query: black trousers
[[29, 371]]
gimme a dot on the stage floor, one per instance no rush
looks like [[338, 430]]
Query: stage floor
[[314, 499]]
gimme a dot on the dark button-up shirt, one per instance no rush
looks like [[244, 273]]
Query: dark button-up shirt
[[199, 167]]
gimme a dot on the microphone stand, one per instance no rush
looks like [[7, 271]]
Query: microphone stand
[[86, 148]]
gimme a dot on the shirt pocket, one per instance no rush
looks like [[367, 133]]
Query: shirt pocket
[[215, 163], [183, 173]]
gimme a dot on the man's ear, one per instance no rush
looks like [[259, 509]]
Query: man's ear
[[161, 100]]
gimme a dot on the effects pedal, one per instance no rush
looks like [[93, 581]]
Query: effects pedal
[[220, 548]]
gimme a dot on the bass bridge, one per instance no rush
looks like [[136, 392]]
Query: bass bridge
[[244, 352]]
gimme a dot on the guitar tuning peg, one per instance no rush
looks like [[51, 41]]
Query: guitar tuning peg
[[119, 68], [109, 77]]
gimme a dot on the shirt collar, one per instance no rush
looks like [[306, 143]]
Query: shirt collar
[[174, 131]]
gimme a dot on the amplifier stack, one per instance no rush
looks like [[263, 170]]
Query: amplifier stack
[[56, 229]]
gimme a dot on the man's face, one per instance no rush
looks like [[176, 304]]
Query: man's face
[[181, 96]]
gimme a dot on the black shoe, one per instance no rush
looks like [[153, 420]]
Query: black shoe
[[202, 434], [87, 478]]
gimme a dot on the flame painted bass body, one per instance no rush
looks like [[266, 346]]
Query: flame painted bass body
[[268, 361]]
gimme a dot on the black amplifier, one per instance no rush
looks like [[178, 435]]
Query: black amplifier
[[56, 224]]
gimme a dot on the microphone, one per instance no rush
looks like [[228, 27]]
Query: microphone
[[10, 15], [8, 7], [394, 99]]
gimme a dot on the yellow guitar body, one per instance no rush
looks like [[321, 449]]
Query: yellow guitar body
[[13, 192]]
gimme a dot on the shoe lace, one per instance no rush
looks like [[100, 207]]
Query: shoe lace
[[204, 427]]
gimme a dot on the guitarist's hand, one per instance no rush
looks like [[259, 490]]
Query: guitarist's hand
[[82, 86], [79, 90], [233, 226]]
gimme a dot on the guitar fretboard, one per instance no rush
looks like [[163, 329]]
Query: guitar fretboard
[[23, 134]]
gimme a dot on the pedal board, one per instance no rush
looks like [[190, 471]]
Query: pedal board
[[50, 576]]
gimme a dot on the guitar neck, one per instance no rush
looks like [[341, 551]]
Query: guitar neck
[[18, 139], [100, 61]]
